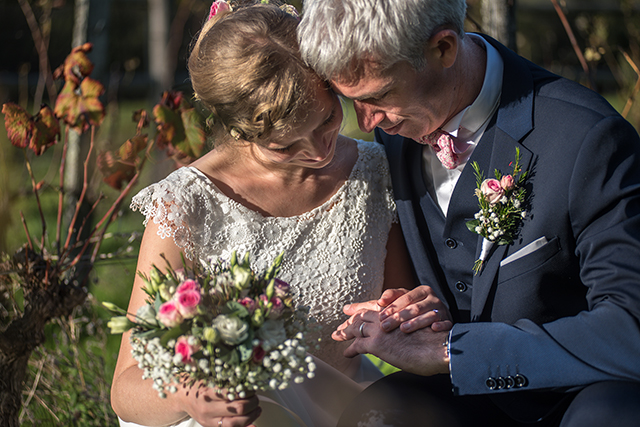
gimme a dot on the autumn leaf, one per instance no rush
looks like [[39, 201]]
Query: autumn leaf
[[170, 127], [80, 107], [194, 143], [18, 124], [37, 132], [120, 167], [141, 117], [180, 129], [46, 130], [76, 66]]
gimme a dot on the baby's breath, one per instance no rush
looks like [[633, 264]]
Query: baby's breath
[[261, 344]]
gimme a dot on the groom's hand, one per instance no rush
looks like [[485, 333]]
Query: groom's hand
[[421, 352], [412, 310]]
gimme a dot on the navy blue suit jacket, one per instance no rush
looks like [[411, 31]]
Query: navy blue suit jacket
[[567, 314]]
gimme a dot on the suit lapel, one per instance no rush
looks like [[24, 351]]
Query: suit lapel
[[496, 150], [503, 151]]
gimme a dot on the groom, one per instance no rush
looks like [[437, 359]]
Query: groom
[[547, 331]]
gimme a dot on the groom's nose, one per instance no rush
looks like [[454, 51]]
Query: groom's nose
[[368, 116]]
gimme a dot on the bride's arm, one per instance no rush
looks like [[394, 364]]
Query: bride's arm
[[133, 399]]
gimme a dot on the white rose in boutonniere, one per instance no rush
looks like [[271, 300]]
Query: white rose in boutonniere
[[501, 211]]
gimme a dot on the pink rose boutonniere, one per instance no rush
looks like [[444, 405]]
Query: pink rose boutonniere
[[501, 211]]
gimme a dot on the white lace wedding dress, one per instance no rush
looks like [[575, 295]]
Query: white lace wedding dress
[[333, 255]]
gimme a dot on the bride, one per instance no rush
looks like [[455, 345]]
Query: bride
[[280, 178]]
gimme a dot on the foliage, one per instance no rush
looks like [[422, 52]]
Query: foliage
[[76, 349], [44, 280]]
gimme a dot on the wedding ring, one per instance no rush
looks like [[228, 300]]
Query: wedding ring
[[435, 310], [361, 329], [220, 422]]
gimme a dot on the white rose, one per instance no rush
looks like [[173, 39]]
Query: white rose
[[272, 333], [232, 329]]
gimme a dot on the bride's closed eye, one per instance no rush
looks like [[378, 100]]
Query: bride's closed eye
[[282, 150]]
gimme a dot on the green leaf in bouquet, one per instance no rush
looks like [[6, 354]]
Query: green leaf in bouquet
[[148, 334], [471, 225], [171, 334], [227, 354], [234, 308]]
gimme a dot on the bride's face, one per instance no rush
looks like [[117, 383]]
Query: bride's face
[[312, 144]]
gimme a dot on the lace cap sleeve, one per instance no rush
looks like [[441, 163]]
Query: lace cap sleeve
[[167, 203]]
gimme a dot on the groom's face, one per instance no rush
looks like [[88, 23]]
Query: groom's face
[[402, 100]]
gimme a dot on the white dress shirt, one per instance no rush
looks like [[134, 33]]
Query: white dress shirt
[[468, 126]]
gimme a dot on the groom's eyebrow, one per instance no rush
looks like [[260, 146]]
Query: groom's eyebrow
[[376, 96]]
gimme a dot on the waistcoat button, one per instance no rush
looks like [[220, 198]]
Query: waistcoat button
[[451, 244], [461, 286]]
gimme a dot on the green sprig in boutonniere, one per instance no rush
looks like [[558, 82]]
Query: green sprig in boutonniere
[[501, 210]]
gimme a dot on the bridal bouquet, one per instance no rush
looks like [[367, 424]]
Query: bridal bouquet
[[222, 325]]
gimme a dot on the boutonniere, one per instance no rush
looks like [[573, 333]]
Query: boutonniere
[[501, 208]]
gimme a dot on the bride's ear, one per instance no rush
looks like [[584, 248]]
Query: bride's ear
[[443, 47]]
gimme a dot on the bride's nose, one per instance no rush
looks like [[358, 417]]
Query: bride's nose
[[320, 148]]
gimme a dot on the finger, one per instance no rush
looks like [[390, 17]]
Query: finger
[[421, 311], [240, 421], [418, 294], [351, 309], [418, 322], [444, 325], [357, 347], [390, 295]]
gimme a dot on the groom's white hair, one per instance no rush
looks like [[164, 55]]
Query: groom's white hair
[[337, 35]]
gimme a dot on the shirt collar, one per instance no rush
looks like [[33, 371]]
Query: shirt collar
[[475, 115]]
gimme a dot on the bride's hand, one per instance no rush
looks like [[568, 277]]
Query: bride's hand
[[210, 409], [412, 310]]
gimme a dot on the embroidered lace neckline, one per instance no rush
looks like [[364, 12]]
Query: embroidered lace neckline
[[323, 207]]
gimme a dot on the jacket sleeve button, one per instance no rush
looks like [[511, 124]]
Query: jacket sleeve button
[[510, 382], [521, 381], [491, 383]]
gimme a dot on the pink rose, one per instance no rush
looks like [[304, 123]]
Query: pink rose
[[217, 7], [249, 303], [492, 190], [169, 314], [188, 285], [507, 182], [188, 303], [185, 349]]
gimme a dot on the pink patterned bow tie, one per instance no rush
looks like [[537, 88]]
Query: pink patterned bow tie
[[444, 146]]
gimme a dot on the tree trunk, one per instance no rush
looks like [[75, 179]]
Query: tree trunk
[[161, 80], [499, 21]]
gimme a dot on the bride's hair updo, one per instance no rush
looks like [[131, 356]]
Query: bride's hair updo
[[246, 69]]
